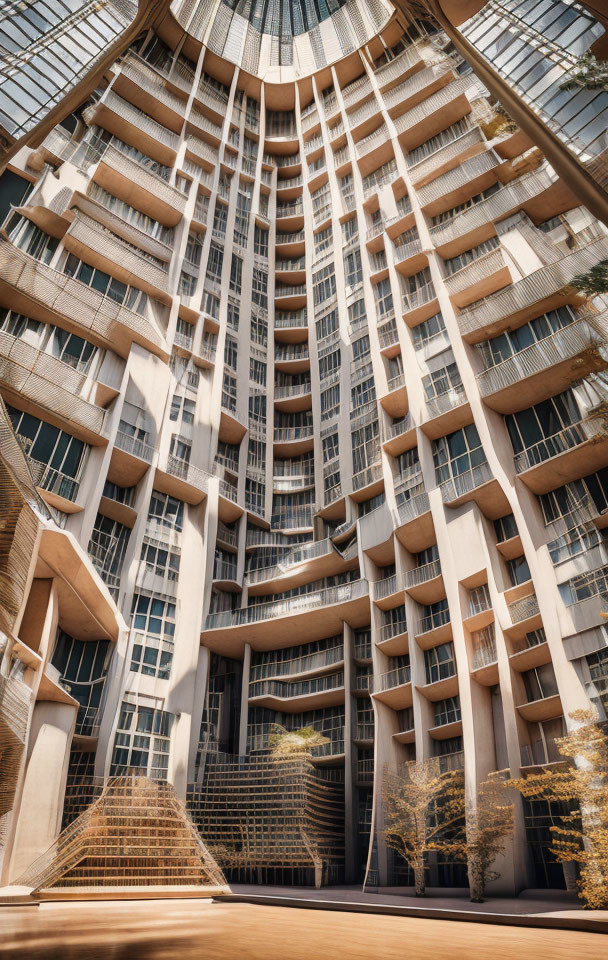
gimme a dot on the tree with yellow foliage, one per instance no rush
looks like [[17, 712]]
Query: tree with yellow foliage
[[424, 811], [489, 823], [580, 836], [294, 743]]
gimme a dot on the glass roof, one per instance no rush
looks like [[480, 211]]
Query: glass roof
[[281, 40]]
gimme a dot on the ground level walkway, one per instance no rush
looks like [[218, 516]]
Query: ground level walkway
[[215, 930]]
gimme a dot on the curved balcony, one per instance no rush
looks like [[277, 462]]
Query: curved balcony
[[368, 482], [419, 305], [318, 662], [51, 385], [290, 296], [294, 397], [296, 696], [394, 688], [387, 593], [57, 488], [356, 90], [577, 450], [99, 247], [131, 457], [446, 412], [291, 326], [525, 616], [393, 638], [204, 153], [133, 183], [42, 293], [292, 357], [476, 224], [374, 150], [142, 85], [302, 618], [291, 484], [200, 123], [480, 278], [433, 629], [465, 181], [537, 293], [183, 480], [410, 258], [446, 156], [131, 125], [414, 523], [520, 381], [394, 70], [425, 584], [417, 88], [291, 441], [434, 114], [400, 436]]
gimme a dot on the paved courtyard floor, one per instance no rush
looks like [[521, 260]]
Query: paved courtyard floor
[[207, 930]]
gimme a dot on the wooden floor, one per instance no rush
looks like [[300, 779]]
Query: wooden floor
[[191, 930]]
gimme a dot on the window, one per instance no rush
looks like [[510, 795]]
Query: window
[[362, 393], [447, 711], [457, 453], [327, 325], [324, 284], [427, 331], [353, 272], [31, 239], [45, 444], [519, 571], [233, 315], [442, 381], [259, 330], [154, 616], [330, 402], [82, 665], [72, 349], [128, 296], [182, 409], [361, 348], [259, 287], [215, 262], [356, 314], [142, 741], [162, 561], [194, 248], [329, 364], [166, 511], [257, 371], [542, 430], [231, 352], [439, 662], [236, 273], [384, 297], [331, 447]]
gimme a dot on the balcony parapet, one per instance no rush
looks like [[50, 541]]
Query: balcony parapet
[[295, 557], [365, 477], [476, 271], [423, 574], [558, 443], [286, 690], [87, 231], [137, 118], [392, 678], [47, 381], [444, 402], [488, 316], [81, 305], [390, 71], [134, 446], [563, 344], [413, 508], [462, 175], [424, 168], [417, 83], [506, 200], [146, 77], [53, 481], [145, 179], [308, 663], [422, 111], [524, 609], [464, 483], [292, 605]]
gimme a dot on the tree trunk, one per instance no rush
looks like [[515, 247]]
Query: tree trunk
[[477, 886], [419, 880]]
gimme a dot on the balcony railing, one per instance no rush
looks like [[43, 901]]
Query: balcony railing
[[567, 439], [394, 628], [524, 609], [458, 177], [413, 299], [53, 481], [544, 282], [292, 605], [414, 507], [365, 477], [450, 400], [484, 654], [226, 534], [195, 476], [476, 271], [384, 588], [303, 664], [423, 574], [222, 570], [365, 731], [509, 197], [285, 689], [289, 434], [463, 483], [365, 770], [444, 153], [135, 446], [392, 678], [538, 357], [432, 621], [431, 105]]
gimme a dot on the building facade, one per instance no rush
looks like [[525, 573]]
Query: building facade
[[289, 340]]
